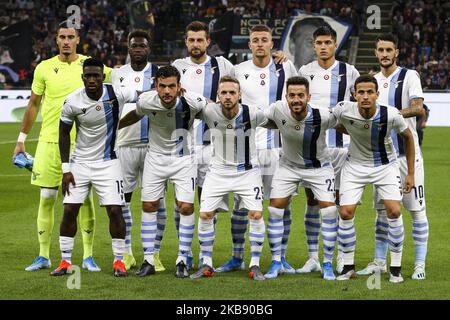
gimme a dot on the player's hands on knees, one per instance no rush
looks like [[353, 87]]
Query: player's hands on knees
[[20, 148], [409, 184], [67, 180], [280, 57]]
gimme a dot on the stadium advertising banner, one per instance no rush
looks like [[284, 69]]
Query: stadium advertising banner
[[297, 37], [242, 26], [14, 102]]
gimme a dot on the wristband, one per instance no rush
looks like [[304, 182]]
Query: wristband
[[65, 167], [22, 137]]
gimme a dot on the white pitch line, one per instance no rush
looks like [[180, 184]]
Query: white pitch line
[[15, 141], [15, 175]]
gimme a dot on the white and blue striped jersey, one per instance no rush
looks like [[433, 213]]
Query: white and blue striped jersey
[[371, 142], [203, 79], [304, 142], [328, 87], [233, 139], [398, 90], [96, 121], [262, 87], [171, 128], [135, 135]]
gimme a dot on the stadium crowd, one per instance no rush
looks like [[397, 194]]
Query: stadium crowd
[[422, 28], [423, 31]]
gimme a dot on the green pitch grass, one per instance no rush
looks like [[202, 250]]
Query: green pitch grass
[[18, 247]]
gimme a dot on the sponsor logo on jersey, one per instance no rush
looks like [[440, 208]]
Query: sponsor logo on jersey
[[154, 113], [216, 123], [283, 122], [184, 71], [246, 76], [121, 79], [311, 76], [56, 70], [83, 110]]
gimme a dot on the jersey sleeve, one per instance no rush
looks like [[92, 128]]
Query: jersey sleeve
[[38, 85], [290, 68], [127, 95], [301, 72], [177, 65], [228, 67], [414, 86], [330, 120], [196, 101], [107, 72], [399, 123], [67, 113], [269, 112], [142, 104], [261, 118], [353, 77], [113, 76], [336, 112]]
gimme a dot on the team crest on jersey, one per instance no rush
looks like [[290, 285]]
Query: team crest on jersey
[[366, 126], [397, 83], [98, 108], [263, 82], [183, 113], [56, 70], [326, 77], [170, 114], [262, 75], [215, 123], [212, 69], [229, 126], [246, 76], [340, 76], [137, 79], [297, 127], [385, 85], [380, 126], [199, 71]]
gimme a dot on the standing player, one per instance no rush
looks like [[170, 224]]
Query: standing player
[[401, 88], [305, 161], [372, 160], [262, 83], [234, 168], [169, 157], [132, 141], [53, 80], [96, 111], [330, 81], [200, 73]]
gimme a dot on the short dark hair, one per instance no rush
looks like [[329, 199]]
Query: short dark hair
[[260, 28], [315, 21], [65, 25], [229, 79], [387, 37], [196, 26], [91, 62], [167, 72], [139, 33], [297, 81], [366, 78], [325, 31]]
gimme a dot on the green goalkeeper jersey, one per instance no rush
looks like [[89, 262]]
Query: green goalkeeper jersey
[[54, 80]]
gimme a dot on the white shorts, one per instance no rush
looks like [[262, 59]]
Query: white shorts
[[354, 177], [268, 161], [338, 157], [247, 185], [203, 157], [160, 168], [415, 200], [132, 161], [288, 178], [104, 176]]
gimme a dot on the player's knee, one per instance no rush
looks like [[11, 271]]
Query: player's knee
[[150, 206], [394, 212], [185, 208], [310, 200], [279, 203], [206, 215], [346, 213], [255, 215]]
